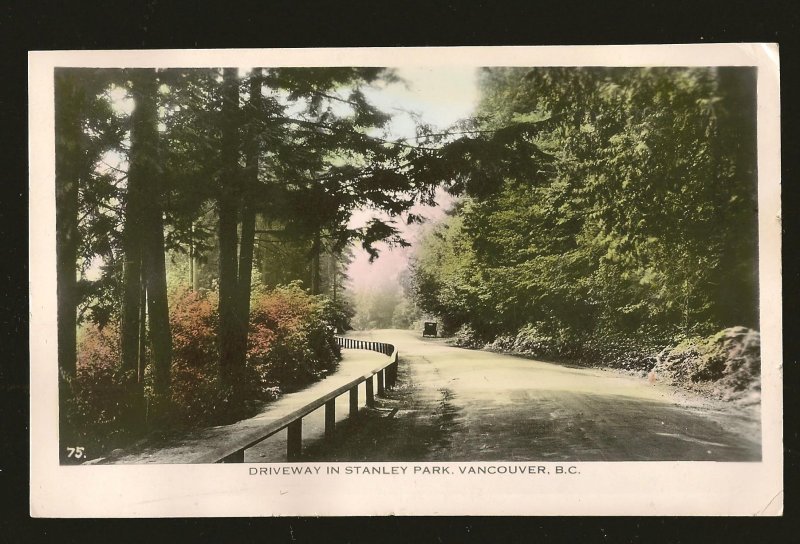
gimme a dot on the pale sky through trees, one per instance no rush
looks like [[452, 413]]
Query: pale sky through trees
[[440, 96]]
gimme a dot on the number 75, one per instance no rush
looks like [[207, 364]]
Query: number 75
[[77, 452]]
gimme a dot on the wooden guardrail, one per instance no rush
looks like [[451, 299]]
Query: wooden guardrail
[[385, 375]]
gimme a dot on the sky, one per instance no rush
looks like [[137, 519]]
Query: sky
[[440, 96]]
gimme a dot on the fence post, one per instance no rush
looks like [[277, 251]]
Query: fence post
[[370, 394], [354, 401], [380, 382], [294, 440], [330, 418], [392, 373]]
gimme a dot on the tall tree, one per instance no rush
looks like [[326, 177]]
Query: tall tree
[[134, 225], [85, 129], [249, 194], [146, 164], [231, 363], [71, 167], [143, 242]]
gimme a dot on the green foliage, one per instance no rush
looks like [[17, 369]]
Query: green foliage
[[384, 306], [375, 307], [291, 343], [727, 363], [301, 148], [529, 340], [195, 398], [100, 401], [446, 281], [336, 313], [466, 337], [405, 315], [85, 158], [626, 236]]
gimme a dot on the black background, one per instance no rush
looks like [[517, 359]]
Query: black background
[[203, 24]]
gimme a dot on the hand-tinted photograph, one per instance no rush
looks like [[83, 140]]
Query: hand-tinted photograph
[[341, 264]]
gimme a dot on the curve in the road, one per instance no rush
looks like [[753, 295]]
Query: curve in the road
[[471, 405]]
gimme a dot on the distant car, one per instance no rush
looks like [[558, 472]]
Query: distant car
[[429, 329]]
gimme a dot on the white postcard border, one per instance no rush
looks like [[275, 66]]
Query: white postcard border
[[620, 488]]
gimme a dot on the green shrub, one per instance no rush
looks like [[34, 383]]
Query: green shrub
[[466, 337], [726, 364], [193, 321], [560, 343], [194, 396], [531, 340], [291, 340], [101, 398], [290, 344]]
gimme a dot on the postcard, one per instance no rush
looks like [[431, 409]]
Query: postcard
[[406, 281]]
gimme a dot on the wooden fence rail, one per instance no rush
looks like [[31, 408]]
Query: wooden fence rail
[[385, 375]]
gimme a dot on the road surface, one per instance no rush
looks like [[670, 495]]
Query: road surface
[[452, 404]]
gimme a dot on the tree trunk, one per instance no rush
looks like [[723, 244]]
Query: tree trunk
[[316, 249], [247, 243], [194, 261], [229, 333], [69, 171], [245, 275], [334, 275], [147, 176], [153, 251], [132, 268], [157, 305], [133, 230], [139, 236], [228, 287], [192, 285], [142, 332], [195, 273]]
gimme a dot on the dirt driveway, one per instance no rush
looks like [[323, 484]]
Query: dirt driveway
[[453, 404]]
